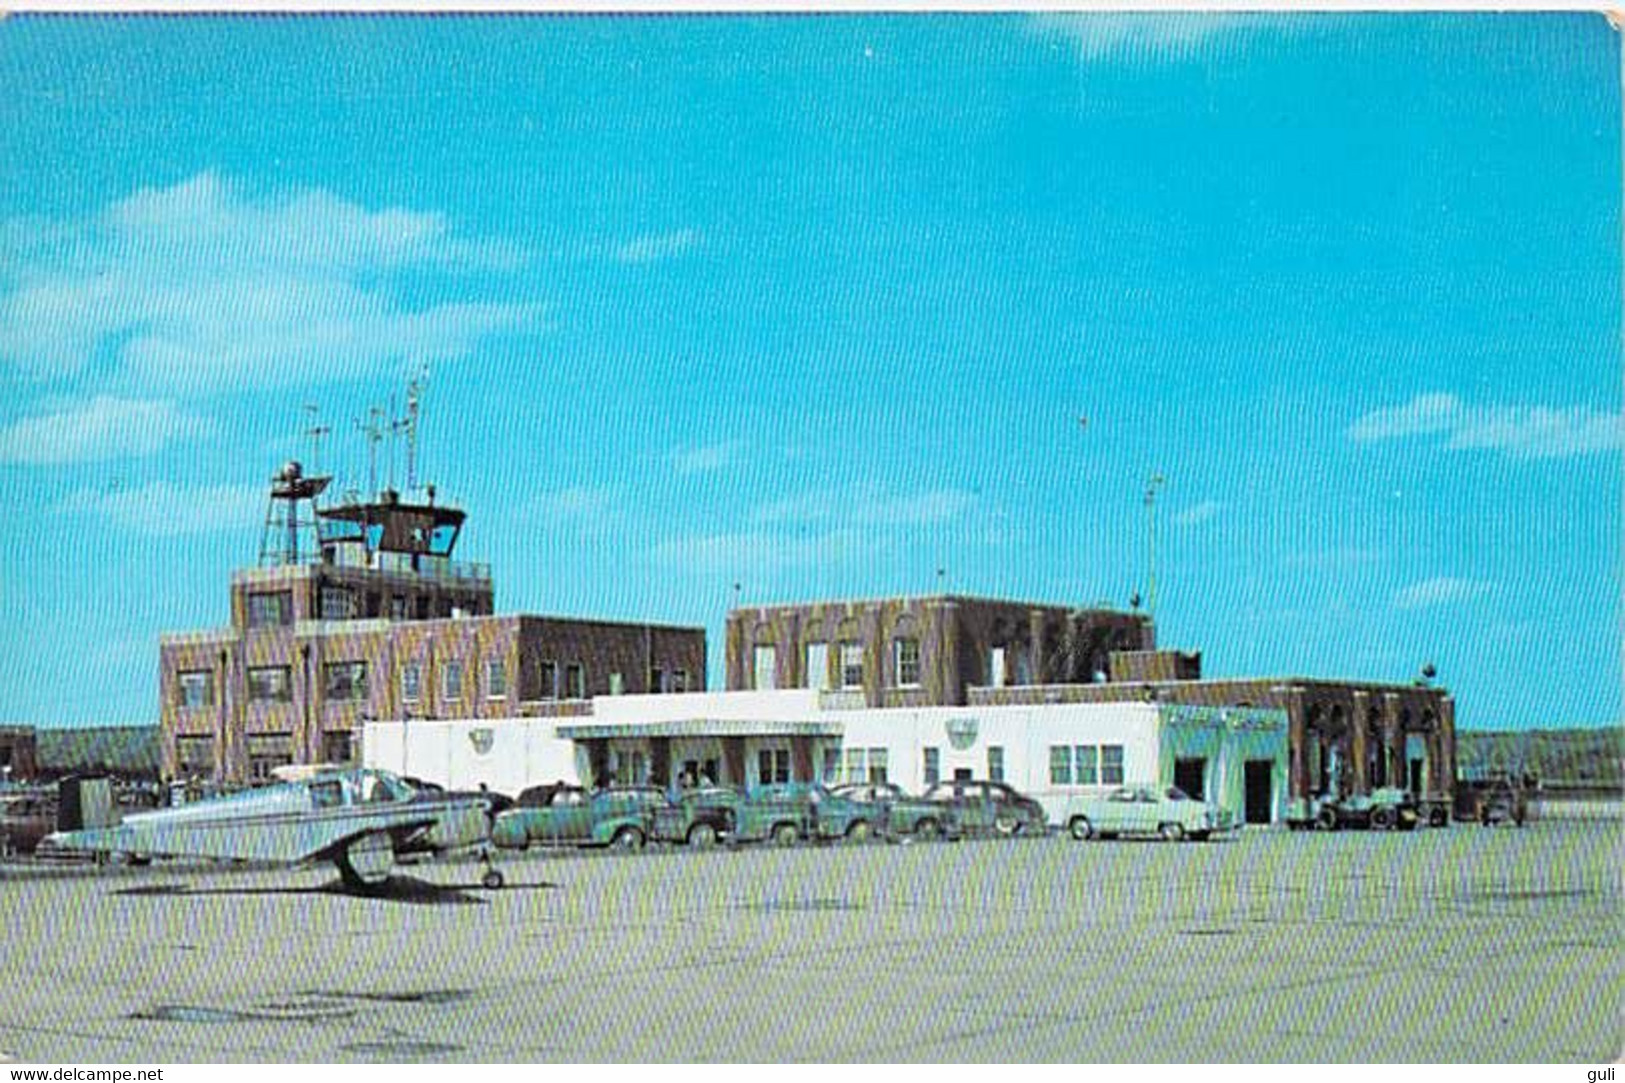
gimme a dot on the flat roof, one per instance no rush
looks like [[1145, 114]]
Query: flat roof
[[702, 727]]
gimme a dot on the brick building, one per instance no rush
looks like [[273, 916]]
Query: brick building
[[375, 620], [17, 753]]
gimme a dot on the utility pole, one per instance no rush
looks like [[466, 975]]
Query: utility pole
[[1151, 543]]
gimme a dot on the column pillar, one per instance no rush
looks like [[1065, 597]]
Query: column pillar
[[1442, 767], [1035, 647], [1357, 745], [1297, 746], [1393, 739]]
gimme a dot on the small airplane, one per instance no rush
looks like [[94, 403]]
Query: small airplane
[[362, 820]]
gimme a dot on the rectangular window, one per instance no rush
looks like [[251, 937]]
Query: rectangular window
[[550, 680], [657, 680], [454, 680], [269, 608], [851, 665], [772, 766], [933, 767], [1060, 765], [344, 680], [679, 680], [617, 686], [270, 684], [1111, 765], [266, 752], [496, 679], [995, 763], [877, 765], [906, 656], [832, 766], [196, 687], [575, 679], [195, 755], [336, 747], [397, 607], [338, 603], [854, 765], [817, 666], [411, 682], [766, 659], [1088, 764]]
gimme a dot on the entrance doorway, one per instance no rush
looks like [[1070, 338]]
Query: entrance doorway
[[1259, 783], [1189, 775], [1416, 776]]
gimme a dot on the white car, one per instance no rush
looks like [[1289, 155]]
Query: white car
[[1146, 810]]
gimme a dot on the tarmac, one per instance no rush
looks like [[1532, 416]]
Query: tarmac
[[1468, 944]]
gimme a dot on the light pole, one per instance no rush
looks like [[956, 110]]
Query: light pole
[[1151, 543]]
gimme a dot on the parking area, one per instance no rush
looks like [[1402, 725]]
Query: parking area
[[1466, 944]]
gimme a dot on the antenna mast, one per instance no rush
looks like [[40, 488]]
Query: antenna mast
[[415, 387], [373, 430], [315, 431]]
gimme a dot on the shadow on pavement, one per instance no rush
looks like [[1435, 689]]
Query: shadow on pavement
[[401, 889]]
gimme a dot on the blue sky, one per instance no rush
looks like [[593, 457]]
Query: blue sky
[[815, 305]]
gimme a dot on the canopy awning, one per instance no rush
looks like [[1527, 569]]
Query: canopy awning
[[701, 727]]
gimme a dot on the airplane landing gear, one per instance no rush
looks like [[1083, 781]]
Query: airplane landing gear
[[493, 879]]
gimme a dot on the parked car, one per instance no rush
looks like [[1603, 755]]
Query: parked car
[[699, 817], [980, 807], [1492, 801], [898, 813], [621, 816], [26, 817], [1165, 811], [788, 812]]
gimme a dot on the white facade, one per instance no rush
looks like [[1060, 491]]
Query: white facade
[[1053, 752]]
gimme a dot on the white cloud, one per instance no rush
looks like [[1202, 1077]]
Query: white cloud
[[706, 459], [1440, 590], [164, 509], [103, 428], [1201, 513], [1144, 34], [655, 247], [1523, 432], [204, 286], [868, 503]]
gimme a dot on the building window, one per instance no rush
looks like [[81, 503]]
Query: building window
[[906, 656], [679, 680], [196, 687], [269, 608], [766, 661], [397, 607], [995, 763], [851, 665], [195, 755], [854, 765], [1060, 765], [267, 752], [575, 680], [454, 680], [336, 747], [411, 682], [1088, 764], [817, 666], [773, 766], [345, 680], [496, 679], [550, 680], [270, 684], [338, 603], [1111, 765], [832, 766], [617, 686], [877, 765], [657, 680], [933, 767]]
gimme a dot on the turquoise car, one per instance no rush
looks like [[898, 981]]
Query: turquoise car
[[699, 817], [986, 807], [1163, 811], [897, 814], [622, 817], [790, 812]]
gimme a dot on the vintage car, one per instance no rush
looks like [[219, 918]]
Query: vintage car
[[621, 816], [1164, 811], [896, 813], [699, 816], [26, 817], [788, 812], [980, 807], [1494, 800]]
